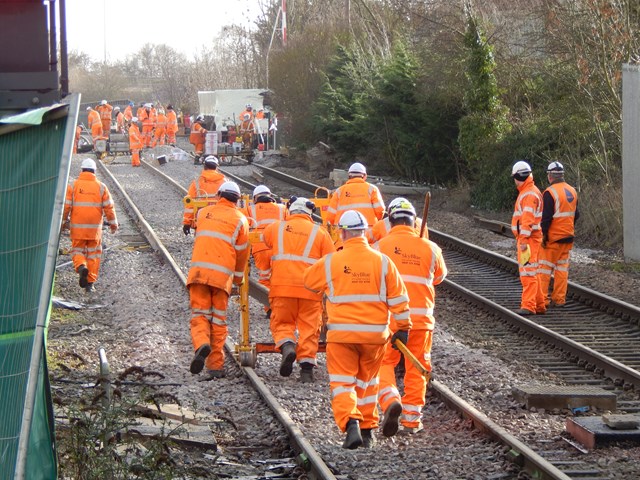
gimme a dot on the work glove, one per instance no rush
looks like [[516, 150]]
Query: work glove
[[402, 335], [113, 228], [544, 241], [186, 229]]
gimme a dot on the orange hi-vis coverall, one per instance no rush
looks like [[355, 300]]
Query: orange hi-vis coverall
[[105, 117], [205, 187], [421, 265], [261, 215], [77, 138], [128, 113], [382, 228], [296, 244], [356, 194], [148, 124], [95, 125], [559, 213], [86, 202], [141, 113], [161, 130], [219, 258], [362, 287], [135, 144], [197, 138], [172, 127], [525, 225], [120, 122]]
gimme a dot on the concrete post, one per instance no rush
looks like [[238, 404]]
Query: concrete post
[[631, 160]]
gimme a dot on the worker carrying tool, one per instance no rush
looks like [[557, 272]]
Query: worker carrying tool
[[203, 189], [197, 138], [525, 225], [222, 229], [296, 244], [421, 265], [261, 212], [356, 194], [559, 214], [363, 288], [87, 203]]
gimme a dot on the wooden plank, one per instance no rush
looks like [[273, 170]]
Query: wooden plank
[[181, 433]]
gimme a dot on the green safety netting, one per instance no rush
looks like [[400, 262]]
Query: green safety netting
[[35, 154]]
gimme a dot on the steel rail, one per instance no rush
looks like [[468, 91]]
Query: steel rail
[[311, 460]]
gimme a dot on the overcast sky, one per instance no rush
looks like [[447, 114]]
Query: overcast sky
[[184, 25]]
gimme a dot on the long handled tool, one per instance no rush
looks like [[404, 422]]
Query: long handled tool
[[416, 363], [425, 212]]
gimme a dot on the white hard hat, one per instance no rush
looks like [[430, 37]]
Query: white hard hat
[[302, 205], [521, 168], [261, 189], [88, 164], [134, 119], [103, 102], [211, 161], [401, 207], [357, 168], [230, 187], [116, 108], [88, 108], [555, 167], [352, 220]]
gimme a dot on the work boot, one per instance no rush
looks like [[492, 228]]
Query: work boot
[[83, 271], [216, 373], [412, 430], [306, 372], [197, 364], [354, 438], [267, 314], [90, 288], [368, 438], [524, 312], [288, 351], [391, 420]]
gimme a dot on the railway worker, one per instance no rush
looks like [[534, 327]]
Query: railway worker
[[197, 137], [559, 213], [128, 112], [356, 194], [141, 112], [262, 212], [76, 139], [172, 125], [382, 227], [247, 109], [148, 124], [421, 264], [362, 286], [296, 244], [105, 110], [119, 120], [260, 114], [218, 261], [87, 201], [246, 130], [525, 225], [160, 131], [135, 142], [205, 187], [95, 124]]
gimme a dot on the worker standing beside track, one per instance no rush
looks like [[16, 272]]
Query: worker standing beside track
[[94, 124], [128, 112], [172, 126], [87, 201], [148, 123], [559, 214], [262, 212], [296, 244], [104, 110], [421, 264], [525, 225], [205, 187], [362, 286], [119, 120], [135, 142], [218, 261], [197, 138], [161, 129], [356, 194]]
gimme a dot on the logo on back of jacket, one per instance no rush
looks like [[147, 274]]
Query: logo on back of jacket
[[407, 258], [357, 277], [353, 195]]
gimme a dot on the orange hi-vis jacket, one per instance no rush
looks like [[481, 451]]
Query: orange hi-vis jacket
[[105, 116], [149, 119], [161, 121], [382, 228], [205, 187], [565, 204], [120, 122], [197, 135], [141, 113], [221, 248], [135, 139], [362, 287], [128, 113], [296, 244], [356, 194], [88, 199], [421, 265], [262, 215], [527, 213], [172, 121], [95, 124]]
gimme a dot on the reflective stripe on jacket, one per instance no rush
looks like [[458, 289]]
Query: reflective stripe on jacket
[[221, 247], [204, 188], [135, 140], [87, 200], [362, 287], [262, 215], [558, 219], [296, 244], [527, 212], [172, 122], [356, 194], [197, 135], [421, 265]]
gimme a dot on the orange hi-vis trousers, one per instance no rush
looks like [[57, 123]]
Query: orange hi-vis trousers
[[353, 375], [209, 321], [554, 259], [262, 261], [135, 158], [289, 313], [159, 136], [532, 298], [89, 253], [415, 384]]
